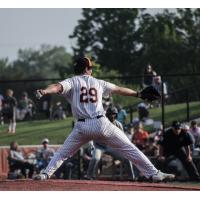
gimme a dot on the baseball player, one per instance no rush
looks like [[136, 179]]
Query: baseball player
[[84, 93]]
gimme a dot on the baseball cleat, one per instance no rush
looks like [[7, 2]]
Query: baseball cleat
[[41, 177], [160, 176]]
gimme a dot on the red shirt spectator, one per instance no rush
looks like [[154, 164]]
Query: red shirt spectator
[[140, 136]]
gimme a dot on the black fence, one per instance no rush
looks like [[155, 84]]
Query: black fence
[[182, 90]]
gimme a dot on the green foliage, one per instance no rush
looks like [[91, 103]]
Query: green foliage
[[47, 62], [108, 35], [128, 39]]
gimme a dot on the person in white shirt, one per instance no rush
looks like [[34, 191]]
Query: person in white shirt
[[17, 160]]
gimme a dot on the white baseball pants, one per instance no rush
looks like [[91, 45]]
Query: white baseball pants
[[103, 131]]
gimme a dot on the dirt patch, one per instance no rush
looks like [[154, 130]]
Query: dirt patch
[[81, 185]]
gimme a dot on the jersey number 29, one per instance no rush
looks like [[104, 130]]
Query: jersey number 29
[[92, 95]]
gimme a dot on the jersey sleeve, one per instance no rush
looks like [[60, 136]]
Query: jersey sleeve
[[67, 85], [107, 87]]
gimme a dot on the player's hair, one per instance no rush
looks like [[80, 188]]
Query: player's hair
[[81, 64]]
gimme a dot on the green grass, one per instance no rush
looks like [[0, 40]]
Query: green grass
[[174, 112], [32, 132]]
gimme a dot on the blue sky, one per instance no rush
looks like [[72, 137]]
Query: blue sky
[[29, 28]]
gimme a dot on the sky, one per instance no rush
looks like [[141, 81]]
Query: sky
[[30, 28]]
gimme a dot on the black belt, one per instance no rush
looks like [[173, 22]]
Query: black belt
[[83, 120]]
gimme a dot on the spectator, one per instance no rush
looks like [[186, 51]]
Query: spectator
[[17, 160], [149, 74], [44, 155], [151, 147], [143, 112], [59, 112], [9, 110], [100, 148], [129, 130], [25, 107], [176, 144], [121, 116], [157, 83], [140, 136], [195, 131]]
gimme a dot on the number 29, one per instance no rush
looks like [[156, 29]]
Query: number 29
[[92, 95]]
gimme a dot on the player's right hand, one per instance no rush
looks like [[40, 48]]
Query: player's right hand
[[39, 93]]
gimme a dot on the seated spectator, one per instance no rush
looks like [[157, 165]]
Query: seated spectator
[[121, 115], [17, 160], [195, 131], [140, 136], [25, 107], [44, 155], [9, 110], [151, 147], [176, 144]]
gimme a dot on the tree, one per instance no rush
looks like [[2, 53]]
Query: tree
[[46, 63], [109, 35]]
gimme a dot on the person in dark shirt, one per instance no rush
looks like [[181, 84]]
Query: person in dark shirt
[[9, 110], [176, 142]]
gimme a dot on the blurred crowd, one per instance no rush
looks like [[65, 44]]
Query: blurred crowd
[[24, 108]]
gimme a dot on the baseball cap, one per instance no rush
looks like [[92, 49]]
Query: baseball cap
[[83, 62], [45, 140], [176, 124], [112, 110]]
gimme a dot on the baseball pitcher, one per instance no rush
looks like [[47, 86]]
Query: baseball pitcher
[[84, 93]]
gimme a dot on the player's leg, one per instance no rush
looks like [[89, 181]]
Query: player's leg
[[118, 141], [75, 140]]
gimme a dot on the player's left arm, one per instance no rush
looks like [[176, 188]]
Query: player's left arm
[[125, 91]]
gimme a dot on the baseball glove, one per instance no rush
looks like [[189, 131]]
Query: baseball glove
[[150, 93]]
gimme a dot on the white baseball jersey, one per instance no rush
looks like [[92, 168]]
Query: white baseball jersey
[[84, 93]]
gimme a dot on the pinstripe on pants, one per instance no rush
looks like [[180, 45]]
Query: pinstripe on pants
[[100, 130]]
